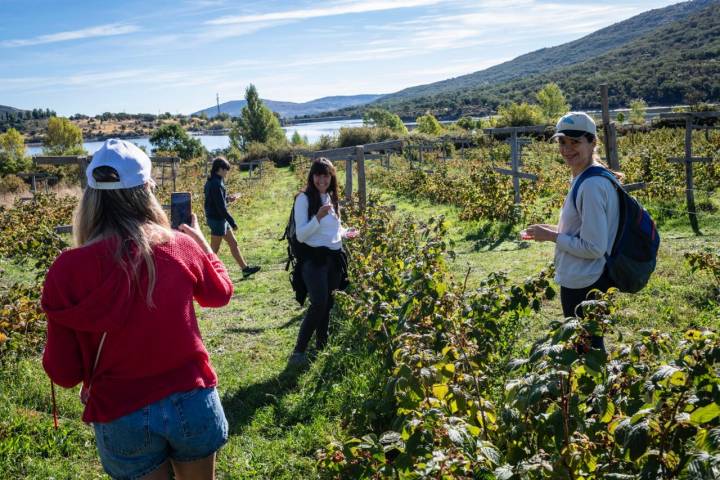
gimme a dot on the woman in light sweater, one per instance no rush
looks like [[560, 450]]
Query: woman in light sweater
[[322, 260], [588, 225]]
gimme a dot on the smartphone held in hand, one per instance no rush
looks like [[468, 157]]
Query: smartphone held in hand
[[180, 209]]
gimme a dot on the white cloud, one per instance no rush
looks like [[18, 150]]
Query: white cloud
[[339, 9], [92, 32]]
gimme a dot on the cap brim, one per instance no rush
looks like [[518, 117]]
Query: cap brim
[[569, 133]]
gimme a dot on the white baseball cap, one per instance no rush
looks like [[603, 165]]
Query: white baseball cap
[[129, 161], [575, 125]]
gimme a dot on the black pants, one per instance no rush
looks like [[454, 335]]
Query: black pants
[[570, 298], [321, 278]]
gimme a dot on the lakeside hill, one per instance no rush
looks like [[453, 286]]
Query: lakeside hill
[[4, 109], [293, 109], [647, 56]]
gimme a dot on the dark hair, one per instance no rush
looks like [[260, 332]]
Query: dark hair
[[219, 163], [321, 166], [590, 137]]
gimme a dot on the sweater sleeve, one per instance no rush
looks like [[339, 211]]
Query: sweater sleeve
[[304, 228], [62, 358], [592, 203], [213, 287], [218, 200]]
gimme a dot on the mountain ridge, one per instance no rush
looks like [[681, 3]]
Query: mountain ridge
[[294, 109]]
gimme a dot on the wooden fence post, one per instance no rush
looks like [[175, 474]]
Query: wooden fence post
[[609, 130], [360, 159], [688, 161], [348, 179]]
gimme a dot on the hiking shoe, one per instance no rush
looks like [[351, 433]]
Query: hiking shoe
[[247, 271], [298, 359]]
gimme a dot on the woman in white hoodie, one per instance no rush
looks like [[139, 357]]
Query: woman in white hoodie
[[588, 223]]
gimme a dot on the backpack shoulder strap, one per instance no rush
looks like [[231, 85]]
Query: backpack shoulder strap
[[594, 171]]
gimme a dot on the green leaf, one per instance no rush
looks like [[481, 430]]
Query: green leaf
[[705, 414], [637, 441], [609, 412]]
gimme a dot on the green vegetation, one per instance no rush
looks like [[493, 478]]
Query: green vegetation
[[637, 111], [666, 57], [62, 138], [256, 124], [378, 117], [428, 125], [174, 140], [12, 152], [448, 356], [552, 103]]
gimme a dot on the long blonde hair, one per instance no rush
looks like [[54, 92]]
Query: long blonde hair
[[131, 215]]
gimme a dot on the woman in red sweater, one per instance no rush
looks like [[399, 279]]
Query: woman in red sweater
[[121, 321]]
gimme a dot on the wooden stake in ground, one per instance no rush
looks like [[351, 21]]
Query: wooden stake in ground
[[688, 160], [515, 145], [610, 139]]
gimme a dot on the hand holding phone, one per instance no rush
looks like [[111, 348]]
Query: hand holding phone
[[180, 209]]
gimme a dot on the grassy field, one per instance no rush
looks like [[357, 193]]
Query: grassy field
[[279, 417]]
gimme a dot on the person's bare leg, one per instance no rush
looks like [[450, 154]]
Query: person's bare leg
[[215, 242], [203, 469], [232, 243], [162, 473]]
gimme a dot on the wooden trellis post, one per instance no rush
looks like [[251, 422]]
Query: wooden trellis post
[[688, 159], [165, 161], [610, 132], [360, 159], [515, 154], [359, 154]]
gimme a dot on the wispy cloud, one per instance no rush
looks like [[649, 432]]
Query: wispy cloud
[[92, 32], [341, 9]]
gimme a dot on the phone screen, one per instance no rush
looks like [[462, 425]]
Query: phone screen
[[180, 209]]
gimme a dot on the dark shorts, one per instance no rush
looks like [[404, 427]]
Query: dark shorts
[[183, 426], [218, 227]]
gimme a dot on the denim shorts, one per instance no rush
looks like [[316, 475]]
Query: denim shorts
[[183, 426], [217, 227]]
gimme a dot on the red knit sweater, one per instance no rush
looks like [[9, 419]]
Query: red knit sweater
[[149, 352]]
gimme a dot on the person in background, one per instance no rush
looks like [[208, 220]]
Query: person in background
[[121, 321], [584, 233], [217, 216], [323, 262]]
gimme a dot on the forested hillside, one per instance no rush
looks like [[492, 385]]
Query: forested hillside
[[675, 63]]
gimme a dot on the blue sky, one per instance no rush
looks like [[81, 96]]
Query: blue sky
[[175, 55]]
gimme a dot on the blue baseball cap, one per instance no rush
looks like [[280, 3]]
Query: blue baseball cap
[[575, 125], [129, 161]]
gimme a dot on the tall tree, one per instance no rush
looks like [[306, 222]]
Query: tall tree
[[378, 117], [428, 124], [256, 123], [12, 152], [172, 138], [63, 138], [637, 111], [552, 102]]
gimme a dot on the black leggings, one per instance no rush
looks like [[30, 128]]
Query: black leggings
[[570, 298], [321, 278]]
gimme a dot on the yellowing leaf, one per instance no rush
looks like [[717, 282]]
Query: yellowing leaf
[[440, 390]]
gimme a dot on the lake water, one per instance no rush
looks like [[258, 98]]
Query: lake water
[[312, 131]]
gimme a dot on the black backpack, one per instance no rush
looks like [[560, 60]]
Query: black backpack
[[634, 253], [295, 257]]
